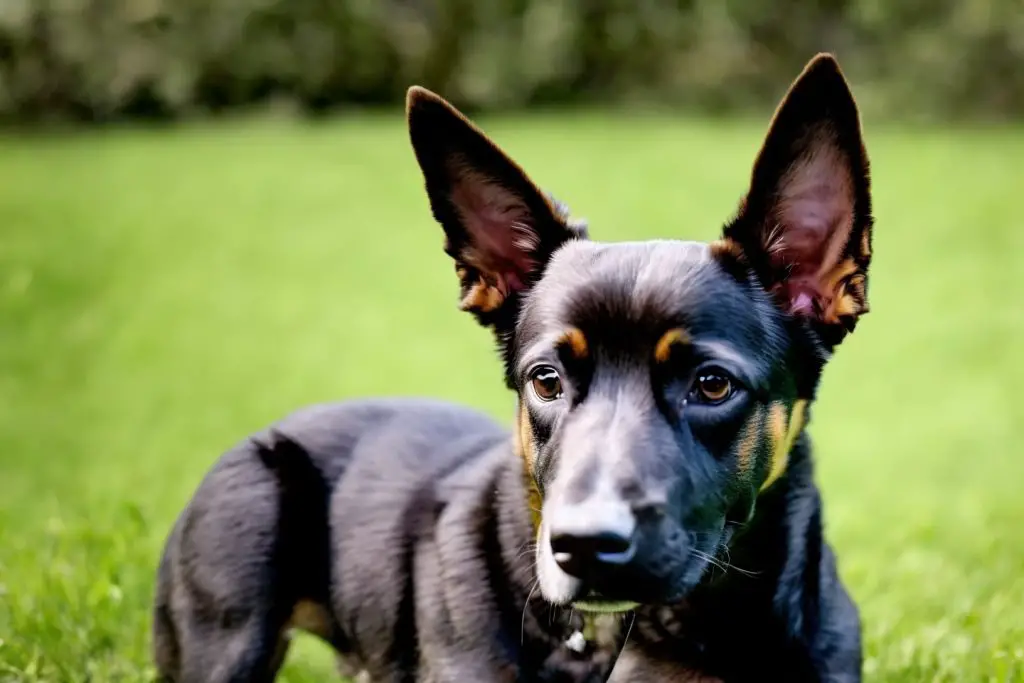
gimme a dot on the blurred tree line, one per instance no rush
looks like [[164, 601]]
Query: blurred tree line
[[96, 60]]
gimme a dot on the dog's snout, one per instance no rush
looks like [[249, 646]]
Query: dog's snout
[[589, 539]]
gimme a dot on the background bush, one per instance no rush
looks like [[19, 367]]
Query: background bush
[[102, 59]]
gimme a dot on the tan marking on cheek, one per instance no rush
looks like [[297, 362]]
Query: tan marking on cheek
[[526, 449], [750, 436], [576, 342], [797, 420], [524, 439], [535, 502], [777, 432], [783, 432], [663, 349]]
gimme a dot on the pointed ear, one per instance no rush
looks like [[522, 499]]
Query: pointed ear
[[500, 228], [805, 224]]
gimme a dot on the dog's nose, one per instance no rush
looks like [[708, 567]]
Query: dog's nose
[[588, 539], [578, 555]]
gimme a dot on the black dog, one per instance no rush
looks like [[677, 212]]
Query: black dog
[[664, 387]]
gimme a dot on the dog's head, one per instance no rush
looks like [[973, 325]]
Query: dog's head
[[661, 384]]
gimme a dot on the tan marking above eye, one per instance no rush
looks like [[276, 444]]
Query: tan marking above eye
[[674, 337], [576, 341]]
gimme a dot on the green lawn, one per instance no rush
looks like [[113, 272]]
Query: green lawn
[[164, 293]]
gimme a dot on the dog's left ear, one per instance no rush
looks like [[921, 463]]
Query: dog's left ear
[[805, 224], [500, 228]]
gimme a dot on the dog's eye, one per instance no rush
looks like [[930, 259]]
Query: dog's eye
[[546, 383], [711, 388]]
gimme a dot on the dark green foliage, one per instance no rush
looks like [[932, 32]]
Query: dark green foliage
[[102, 59]]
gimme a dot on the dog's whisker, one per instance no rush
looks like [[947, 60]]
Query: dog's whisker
[[527, 551], [724, 549], [628, 631], [728, 563], [710, 559], [526, 605], [724, 565]]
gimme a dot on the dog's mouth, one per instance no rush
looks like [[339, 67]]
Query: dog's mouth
[[597, 603]]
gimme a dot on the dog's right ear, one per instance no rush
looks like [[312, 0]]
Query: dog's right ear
[[500, 228]]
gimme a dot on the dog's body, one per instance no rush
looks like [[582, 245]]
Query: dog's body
[[396, 532], [663, 390], [390, 528]]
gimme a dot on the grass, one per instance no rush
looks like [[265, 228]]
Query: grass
[[164, 293]]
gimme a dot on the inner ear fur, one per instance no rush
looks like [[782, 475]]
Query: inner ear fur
[[500, 229], [805, 224]]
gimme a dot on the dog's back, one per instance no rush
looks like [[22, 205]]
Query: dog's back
[[340, 489]]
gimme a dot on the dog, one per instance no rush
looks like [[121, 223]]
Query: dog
[[652, 516]]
